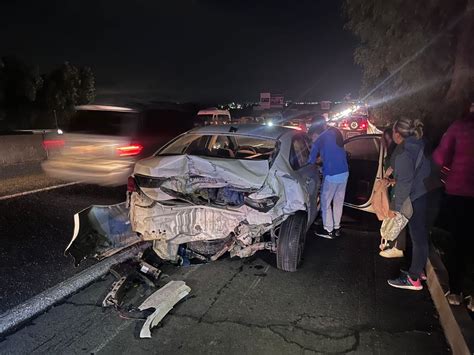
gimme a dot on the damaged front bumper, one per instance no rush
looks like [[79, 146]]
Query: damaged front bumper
[[170, 226]]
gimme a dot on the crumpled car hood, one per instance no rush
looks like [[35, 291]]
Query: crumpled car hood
[[187, 173]]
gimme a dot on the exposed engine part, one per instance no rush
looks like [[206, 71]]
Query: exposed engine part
[[149, 270], [209, 247], [252, 249], [114, 297], [224, 249], [223, 196]]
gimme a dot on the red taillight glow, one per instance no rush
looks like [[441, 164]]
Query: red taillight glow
[[129, 150], [53, 144], [344, 124], [131, 184], [363, 125]]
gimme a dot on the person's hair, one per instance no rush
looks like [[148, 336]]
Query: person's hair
[[407, 127], [388, 131], [318, 125]]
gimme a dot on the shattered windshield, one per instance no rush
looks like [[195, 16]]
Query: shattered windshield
[[222, 146]]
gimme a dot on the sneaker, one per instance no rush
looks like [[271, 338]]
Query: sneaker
[[337, 232], [406, 282], [321, 232], [422, 275], [392, 253], [454, 299]]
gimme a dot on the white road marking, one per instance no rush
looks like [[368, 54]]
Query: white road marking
[[38, 190]]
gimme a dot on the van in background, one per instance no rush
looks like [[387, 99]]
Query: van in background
[[212, 116]]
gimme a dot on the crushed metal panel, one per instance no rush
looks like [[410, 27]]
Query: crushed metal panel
[[162, 301], [220, 172], [101, 231]]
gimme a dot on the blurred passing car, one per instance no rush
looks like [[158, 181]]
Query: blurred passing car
[[102, 143]]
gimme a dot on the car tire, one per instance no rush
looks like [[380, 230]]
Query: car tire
[[291, 241]]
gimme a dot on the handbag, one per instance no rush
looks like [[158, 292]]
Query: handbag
[[391, 227]]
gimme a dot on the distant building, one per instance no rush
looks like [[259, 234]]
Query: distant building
[[269, 100]]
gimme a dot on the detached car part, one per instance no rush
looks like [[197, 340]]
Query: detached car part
[[101, 231], [162, 301]]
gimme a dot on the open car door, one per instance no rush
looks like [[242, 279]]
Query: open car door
[[365, 155]]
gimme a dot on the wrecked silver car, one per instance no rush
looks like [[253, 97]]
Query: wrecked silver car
[[218, 189], [236, 189]]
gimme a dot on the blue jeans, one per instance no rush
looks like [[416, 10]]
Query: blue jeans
[[332, 193], [419, 236]]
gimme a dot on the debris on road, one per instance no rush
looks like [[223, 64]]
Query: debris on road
[[162, 301], [101, 231]]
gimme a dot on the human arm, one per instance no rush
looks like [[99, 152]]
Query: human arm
[[313, 156], [444, 153]]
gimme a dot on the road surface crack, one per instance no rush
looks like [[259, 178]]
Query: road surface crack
[[286, 331], [218, 293]]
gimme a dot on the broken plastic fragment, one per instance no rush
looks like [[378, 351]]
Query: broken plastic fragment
[[162, 301]]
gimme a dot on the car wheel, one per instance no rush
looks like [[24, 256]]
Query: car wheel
[[291, 241]]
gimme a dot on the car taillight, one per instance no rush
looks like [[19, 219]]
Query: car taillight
[[363, 125], [131, 184], [53, 144], [129, 150]]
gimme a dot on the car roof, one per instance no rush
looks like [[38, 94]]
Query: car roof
[[254, 130]]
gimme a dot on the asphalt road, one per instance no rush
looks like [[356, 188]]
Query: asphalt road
[[338, 302], [34, 231]]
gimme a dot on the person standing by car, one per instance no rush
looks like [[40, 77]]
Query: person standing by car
[[328, 143], [397, 247], [456, 152], [410, 170]]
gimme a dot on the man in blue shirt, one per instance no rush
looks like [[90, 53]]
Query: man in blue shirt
[[328, 145]]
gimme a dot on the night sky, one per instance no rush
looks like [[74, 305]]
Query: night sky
[[190, 49]]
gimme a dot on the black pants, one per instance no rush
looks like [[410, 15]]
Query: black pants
[[459, 212], [417, 226], [401, 241]]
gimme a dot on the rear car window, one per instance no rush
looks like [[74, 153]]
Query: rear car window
[[222, 146], [103, 122]]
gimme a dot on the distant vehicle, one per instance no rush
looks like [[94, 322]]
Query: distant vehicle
[[299, 125], [353, 125], [212, 116], [102, 143]]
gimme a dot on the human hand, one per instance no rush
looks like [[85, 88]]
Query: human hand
[[388, 182], [391, 214], [389, 171]]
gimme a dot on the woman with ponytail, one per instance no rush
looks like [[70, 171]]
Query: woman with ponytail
[[410, 169]]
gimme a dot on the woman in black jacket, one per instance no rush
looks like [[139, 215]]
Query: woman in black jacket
[[410, 170]]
